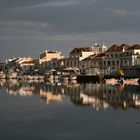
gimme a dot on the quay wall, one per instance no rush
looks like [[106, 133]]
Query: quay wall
[[97, 78]]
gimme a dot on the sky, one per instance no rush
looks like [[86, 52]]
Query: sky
[[29, 27]]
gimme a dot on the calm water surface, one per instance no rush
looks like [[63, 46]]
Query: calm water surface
[[45, 111]]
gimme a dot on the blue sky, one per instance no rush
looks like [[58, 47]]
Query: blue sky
[[28, 27]]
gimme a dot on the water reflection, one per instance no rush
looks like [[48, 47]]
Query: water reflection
[[97, 96]]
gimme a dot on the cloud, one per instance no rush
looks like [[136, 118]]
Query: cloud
[[45, 4], [7, 4], [120, 12], [60, 3], [28, 25]]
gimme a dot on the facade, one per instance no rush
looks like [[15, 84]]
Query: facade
[[113, 54], [90, 64], [83, 58], [130, 56], [48, 59], [27, 65], [49, 55], [99, 48], [130, 60], [81, 53], [122, 57], [19, 63], [75, 56]]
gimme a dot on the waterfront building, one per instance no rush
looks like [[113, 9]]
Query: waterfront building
[[130, 56], [113, 54], [124, 57], [27, 65], [48, 59], [78, 55], [81, 53], [21, 63], [92, 64], [130, 60]]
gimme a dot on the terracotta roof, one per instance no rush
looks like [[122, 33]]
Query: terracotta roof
[[27, 62], [116, 48], [89, 57], [78, 50], [134, 47], [100, 55]]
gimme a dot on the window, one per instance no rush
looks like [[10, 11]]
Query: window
[[108, 63], [125, 61]]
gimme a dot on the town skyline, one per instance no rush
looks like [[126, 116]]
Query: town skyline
[[68, 53]]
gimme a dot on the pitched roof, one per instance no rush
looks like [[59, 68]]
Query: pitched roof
[[116, 48], [27, 62], [94, 56], [84, 49], [100, 54], [134, 47], [89, 57]]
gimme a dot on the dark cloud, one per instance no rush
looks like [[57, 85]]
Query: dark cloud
[[6, 4]]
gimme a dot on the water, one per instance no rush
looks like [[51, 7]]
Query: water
[[44, 111]]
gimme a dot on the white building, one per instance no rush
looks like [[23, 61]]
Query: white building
[[22, 63], [90, 64], [78, 55], [99, 48], [48, 59], [113, 55], [130, 56]]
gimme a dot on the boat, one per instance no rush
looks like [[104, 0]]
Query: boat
[[2, 75], [111, 81], [131, 81], [128, 81]]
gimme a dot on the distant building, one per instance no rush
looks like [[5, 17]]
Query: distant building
[[48, 58], [130, 56], [79, 57], [22, 63], [89, 64], [76, 55], [99, 48], [27, 65], [81, 53], [123, 57], [130, 60], [113, 54]]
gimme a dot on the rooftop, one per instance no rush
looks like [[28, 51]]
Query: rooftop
[[116, 48], [134, 47], [84, 49]]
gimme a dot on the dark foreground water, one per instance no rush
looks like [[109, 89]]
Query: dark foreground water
[[44, 111]]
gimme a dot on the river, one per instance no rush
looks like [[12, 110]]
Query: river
[[56, 111]]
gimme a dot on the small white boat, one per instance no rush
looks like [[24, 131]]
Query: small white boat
[[2, 75], [131, 82], [112, 81]]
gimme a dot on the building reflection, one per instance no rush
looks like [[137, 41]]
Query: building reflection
[[97, 96]]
